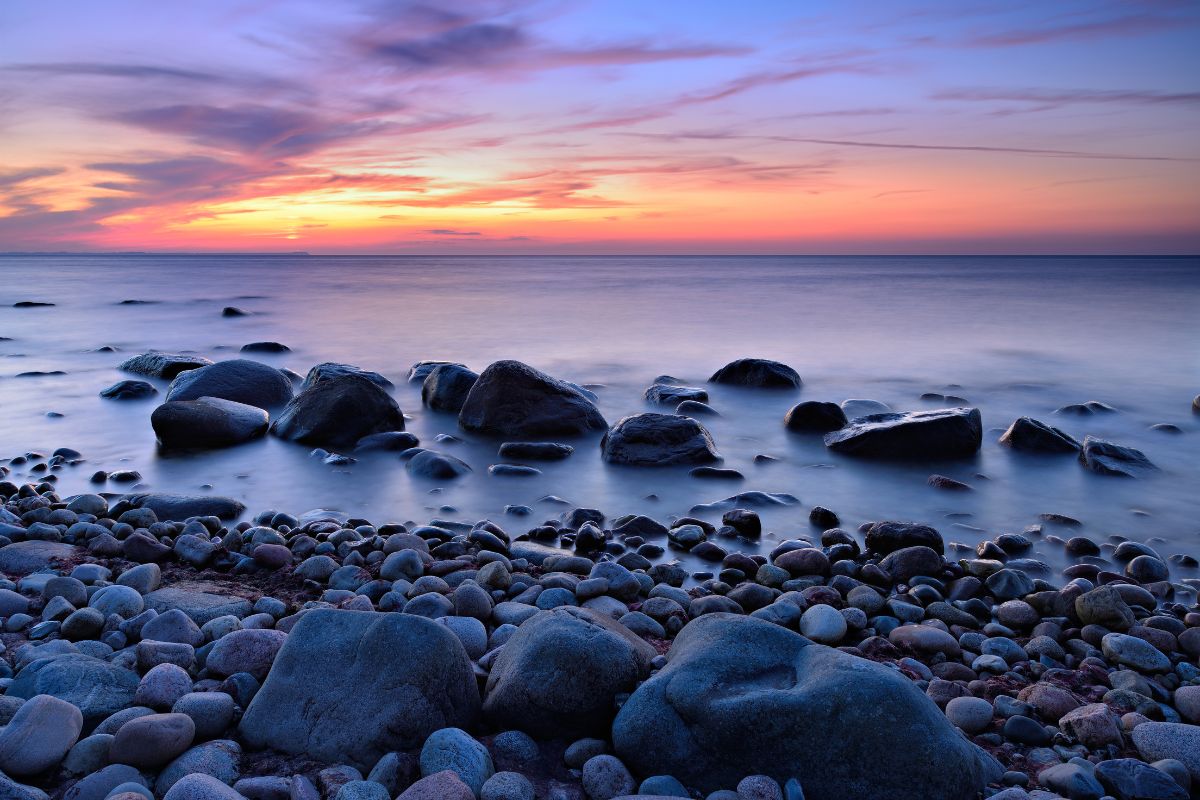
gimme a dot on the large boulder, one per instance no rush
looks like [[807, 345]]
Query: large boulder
[[206, 423], [163, 365], [740, 696], [1033, 436], [200, 606], [559, 674], [918, 435], [657, 440], [757, 372], [97, 688], [351, 686], [178, 507], [22, 558], [888, 536], [330, 369], [814, 416], [446, 387], [1107, 458], [514, 399], [337, 412], [239, 379]]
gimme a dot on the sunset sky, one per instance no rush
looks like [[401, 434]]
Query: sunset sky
[[611, 126]]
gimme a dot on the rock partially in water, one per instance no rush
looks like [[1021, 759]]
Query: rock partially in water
[[432, 464], [514, 399], [240, 380], [917, 435], [757, 372], [446, 387], [388, 441], [350, 686], [751, 499], [858, 407], [338, 411], [207, 422], [668, 395], [652, 439], [535, 451], [331, 369], [265, 347], [1032, 436], [420, 370], [815, 416], [129, 390], [889, 536], [740, 696], [178, 507], [163, 365], [1086, 409], [1106, 458]]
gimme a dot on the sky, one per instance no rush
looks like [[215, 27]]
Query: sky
[[611, 126]]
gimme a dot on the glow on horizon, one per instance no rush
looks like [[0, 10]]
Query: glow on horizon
[[600, 127]]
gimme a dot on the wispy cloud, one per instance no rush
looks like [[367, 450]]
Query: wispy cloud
[[103, 70], [1077, 30], [1043, 99], [450, 232]]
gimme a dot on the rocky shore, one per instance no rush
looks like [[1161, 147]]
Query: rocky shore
[[153, 646]]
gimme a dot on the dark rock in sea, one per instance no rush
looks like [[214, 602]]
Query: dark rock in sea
[[716, 473], [751, 499], [207, 423], [265, 347], [1106, 458], [652, 439], [1166, 427], [446, 387], [337, 412], [163, 365], [420, 370], [948, 483], [178, 507], [1086, 409], [40, 373], [858, 407], [31, 304], [535, 451], [1032, 436], [1196, 404], [233, 311], [694, 408], [667, 394], [240, 380], [815, 416], [561, 672], [389, 441], [129, 390], [740, 696], [917, 435], [514, 399], [432, 464], [823, 518], [350, 687], [330, 369], [888, 536], [757, 372], [513, 470]]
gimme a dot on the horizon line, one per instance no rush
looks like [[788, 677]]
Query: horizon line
[[308, 254]]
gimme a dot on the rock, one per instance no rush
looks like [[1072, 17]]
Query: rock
[[11, 790], [1031, 436], [38, 736], [219, 760], [1159, 740], [152, 741], [97, 688], [1134, 652], [560, 673], [102, 783], [440, 466], [179, 507], [200, 606], [906, 563], [199, 786], [163, 365], [1104, 606], [815, 417], [507, 786], [251, 651], [239, 380], [330, 369], [211, 712], [388, 441], [22, 558], [658, 440], [535, 451], [447, 386], [888, 537], [757, 372], [129, 390], [1106, 458], [162, 686], [824, 624], [667, 395], [442, 786], [207, 423], [514, 399], [740, 696], [1093, 725], [971, 714], [1130, 779], [409, 671], [453, 749], [1071, 780], [917, 435], [337, 412], [605, 778]]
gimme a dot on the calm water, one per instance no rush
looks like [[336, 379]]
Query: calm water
[[1015, 336]]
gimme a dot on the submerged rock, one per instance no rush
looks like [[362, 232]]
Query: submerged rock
[[535, 451], [1106, 458], [337, 412], [514, 399], [652, 439], [207, 422], [1032, 436], [447, 386], [918, 435], [740, 696], [239, 379], [420, 370], [163, 365], [331, 369], [815, 416], [757, 372], [669, 395], [432, 464], [129, 390]]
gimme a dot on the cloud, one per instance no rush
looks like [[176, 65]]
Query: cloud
[[97, 69], [245, 128], [450, 232], [12, 178], [1045, 99], [1078, 30]]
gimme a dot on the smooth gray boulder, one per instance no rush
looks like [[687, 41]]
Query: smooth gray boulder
[[179, 507], [208, 422], [757, 372], [514, 399], [337, 412], [559, 674], [97, 688], [446, 387], [658, 440], [22, 558], [163, 365], [1107, 458], [198, 604], [330, 369], [39, 735], [917, 435], [351, 686], [240, 380], [740, 696], [1033, 436]]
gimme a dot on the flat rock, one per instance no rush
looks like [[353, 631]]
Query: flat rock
[[179, 507], [22, 558], [97, 688], [535, 451], [198, 604], [207, 422], [917, 435], [163, 365]]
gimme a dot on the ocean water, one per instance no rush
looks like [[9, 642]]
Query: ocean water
[[1015, 336]]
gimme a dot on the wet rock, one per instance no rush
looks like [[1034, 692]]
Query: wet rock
[[179, 507], [888, 536], [330, 369], [337, 412], [1031, 436], [240, 380], [535, 451], [447, 386], [757, 372], [129, 390], [388, 441], [514, 399], [814, 416], [1106, 458], [668, 395], [658, 440], [163, 365], [208, 422], [440, 466], [917, 435]]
